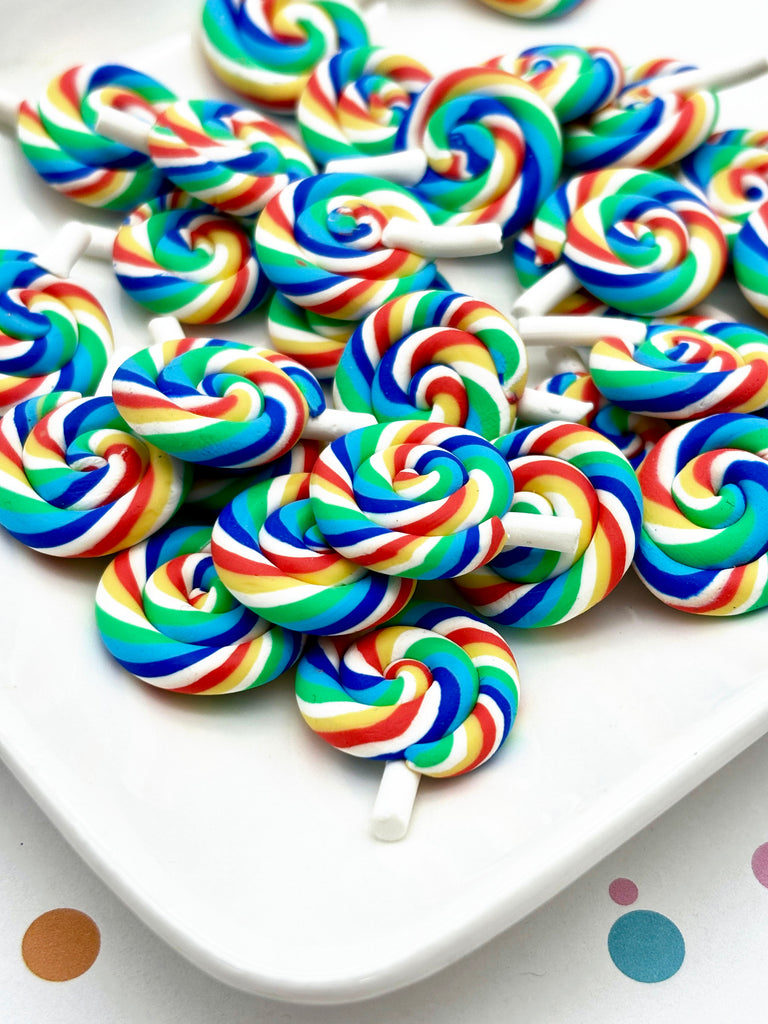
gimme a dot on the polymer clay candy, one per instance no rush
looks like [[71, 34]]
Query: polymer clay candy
[[561, 470], [533, 9], [573, 80], [493, 148], [704, 542], [650, 247], [267, 49], [75, 482], [356, 101], [311, 339], [58, 137], [165, 616], [269, 552], [685, 369], [730, 171], [54, 335], [177, 256], [435, 692], [750, 260]]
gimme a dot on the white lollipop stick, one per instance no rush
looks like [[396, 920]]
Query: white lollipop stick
[[712, 79], [541, 407], [565, 360], [9, 110], [165, 328], [102, 242], [547, 292], [434, 241], [123, 128], [66, 247], [405, 167], [115, 360], [553, 533], [394, 801], [578, 330]]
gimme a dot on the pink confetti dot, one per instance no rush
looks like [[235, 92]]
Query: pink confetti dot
[[760, 864], [624, 891]]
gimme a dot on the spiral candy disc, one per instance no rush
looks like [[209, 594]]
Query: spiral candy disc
[[267, 49], [439, 689], [435, 355], [569, 470], [216, 403], [179, 257], [319, 242], [163, 613], [574, 81], [533, 9], [230, 158], [704, 543], [355, 102], [58, 137], [730, 172], [75, 482], [271, 555], [412, 499], [313, 340], [54, 335], [685, 370], [750, 260], [493, 148]]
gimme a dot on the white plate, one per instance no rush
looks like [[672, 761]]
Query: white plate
[[228, 827]]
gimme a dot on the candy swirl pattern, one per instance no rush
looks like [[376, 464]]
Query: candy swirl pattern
[[54, 335], [750, 260], [412, 499], [685, 370], [533, 9], [320, 243], [704, 543], [730, 171], [164, 615], [355, 102], [216, 403], [435, 355], [230, 158], [179, 257], [269, 552], [569, 470], [313, 340], [574, 81], [75, 482], [493, 148], [267, 49], [439, 690], [58, 136]]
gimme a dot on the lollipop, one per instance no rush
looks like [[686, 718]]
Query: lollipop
[[434, 694], [493, 148], [355, 103], [643, 245], [267, 49], [344, 244], [533, 9], [164, 615], [75, 482], [421, 500], [228, 157], [269, 552], [59, 138], [574, 81], [54, 335], [704, 543], [569, 471], [750, 260]]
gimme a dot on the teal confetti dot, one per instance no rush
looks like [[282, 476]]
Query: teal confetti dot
[[646, 946]]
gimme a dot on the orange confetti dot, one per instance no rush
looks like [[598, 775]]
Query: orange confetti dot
[[61, 944]]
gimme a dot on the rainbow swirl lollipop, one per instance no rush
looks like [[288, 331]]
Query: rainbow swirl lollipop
[[574, 81], [533, 9], [267, 49], [435, 355], [58, 137], [493, 148], [165, 616], [412, 499], [230, 158], [704, 543], [269, 552], [685, 370], [730, 172], [320, 243], [750, 260], [216, 403], [561, 469], [355, 102], [54, 335], [313, 340], [75, 482], [181, 258]]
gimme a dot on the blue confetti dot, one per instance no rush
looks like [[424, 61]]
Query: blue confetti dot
[[646, 946]]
